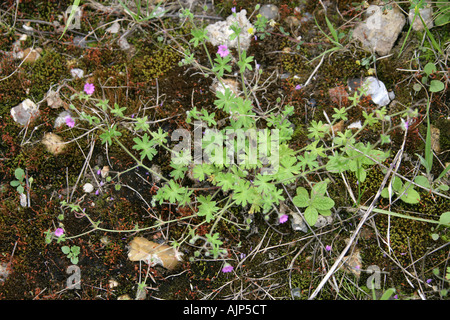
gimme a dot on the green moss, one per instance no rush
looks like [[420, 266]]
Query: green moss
[[152, 64], [46, 71]]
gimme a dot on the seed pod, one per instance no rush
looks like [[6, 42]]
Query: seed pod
[[141, 249]]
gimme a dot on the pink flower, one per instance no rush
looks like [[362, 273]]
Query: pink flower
[[328, 248], [227, 268], [89, 88], [70, 122], [298, 87], [223, 50], [59, 232], [283, 218]]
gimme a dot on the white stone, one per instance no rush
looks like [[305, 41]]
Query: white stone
[[23, 200], [355, 125], [24, 112], [219, 33], [53, 99], [77, 73], [377, 91], [123, 44], [4, 271], [114, 28], [88, 188]]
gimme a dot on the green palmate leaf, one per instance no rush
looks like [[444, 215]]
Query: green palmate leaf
[[142, 124], [244, 193], [118, 111], [215, 242], [370, 119], [245, 62], [308, 159], [221, 65], [385, 138], [103, 104], [317, 130], [288, 169], [159, 137], [109, 134], [208, 118], [171, 192], [311, 214], [264, 184], [75, 250], [225, 100], [340, 114], [179, 171], [225, 180], [207, 208], [276, 196], [301, 200], [202, 170], [337, 163], [200, 35], [146, 147]]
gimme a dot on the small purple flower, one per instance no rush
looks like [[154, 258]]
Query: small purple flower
[[97, 192], [223, 50], [227, 268], [89, 88], [328, 248], [298, 87], [70, 122], [59, 232], [429, 280], [233, 9], [99, 171], [283, 218]]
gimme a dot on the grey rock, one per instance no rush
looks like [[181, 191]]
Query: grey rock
[[270, 11], [427, 15], [25, 112], [380, 30]]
